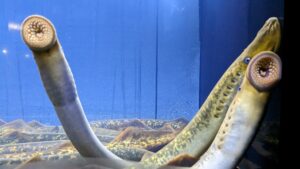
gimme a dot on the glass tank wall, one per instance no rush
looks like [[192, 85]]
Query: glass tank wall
[[130, 59], [133, 59]]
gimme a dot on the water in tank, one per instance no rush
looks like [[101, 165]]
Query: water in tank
[[140, 84]]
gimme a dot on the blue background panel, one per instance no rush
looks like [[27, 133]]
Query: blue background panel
[[131, 59]]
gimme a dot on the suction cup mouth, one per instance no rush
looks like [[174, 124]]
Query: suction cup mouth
[[38, 33], [264, 71]]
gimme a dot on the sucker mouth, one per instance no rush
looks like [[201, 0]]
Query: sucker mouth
[[37, 30], [38, 33], [264, 71]]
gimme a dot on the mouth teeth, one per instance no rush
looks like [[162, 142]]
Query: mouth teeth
[[38, 33], [264, 71]]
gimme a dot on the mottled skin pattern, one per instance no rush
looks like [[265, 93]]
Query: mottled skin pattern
[[199, 133], [244, 114]]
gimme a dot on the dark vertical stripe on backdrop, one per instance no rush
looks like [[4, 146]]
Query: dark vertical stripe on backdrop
[[156, 59]]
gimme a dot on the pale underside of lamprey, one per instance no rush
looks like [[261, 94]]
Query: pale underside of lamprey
[[199, 133], [244, 114], [40, 36]]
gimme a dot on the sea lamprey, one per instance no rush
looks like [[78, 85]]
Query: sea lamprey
[[200, 132], [40, 36], [244, 114]]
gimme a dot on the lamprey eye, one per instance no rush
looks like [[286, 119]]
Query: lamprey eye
[[247, 60]]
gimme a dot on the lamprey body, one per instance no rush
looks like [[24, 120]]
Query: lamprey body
[[244, 114], [200, 132]]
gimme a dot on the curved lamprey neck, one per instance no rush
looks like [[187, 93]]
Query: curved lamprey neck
[[39, 35]]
